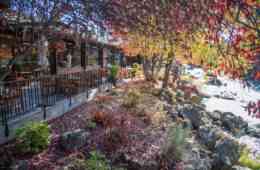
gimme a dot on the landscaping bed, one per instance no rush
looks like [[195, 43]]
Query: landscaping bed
[[135, 126]]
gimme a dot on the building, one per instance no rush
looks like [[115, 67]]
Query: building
[[4, 4], [84, 52]]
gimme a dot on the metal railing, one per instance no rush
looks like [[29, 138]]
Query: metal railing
[[18, 98]]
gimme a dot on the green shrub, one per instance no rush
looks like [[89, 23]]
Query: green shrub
[[33, 137], [196, 99], [132, 99], [176, 142], [135, 69], [77, 164], [97, 161], [246, 161], [18, 66], [113, 71], [90, 124]]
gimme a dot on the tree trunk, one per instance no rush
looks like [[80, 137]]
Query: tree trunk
[[159, 66], [153, 65], [168, 67], [147, 67]]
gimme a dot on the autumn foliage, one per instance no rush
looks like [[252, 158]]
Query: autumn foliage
[[227, 30]]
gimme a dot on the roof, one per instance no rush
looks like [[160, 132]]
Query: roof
[[101, 44], [4, 4]]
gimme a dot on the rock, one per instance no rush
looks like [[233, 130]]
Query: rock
[[239, 168], [195, 113], [215, 115], [171, 111], [254, 131], [196, 158], [21, 165], [74, 139], [198, 161], [215, 82], [227, 153], [235, 124], [209, 135]]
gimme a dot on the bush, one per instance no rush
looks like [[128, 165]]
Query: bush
[[246, 161], [196, 99], [132, 99], [113, 74], [33, 137], [135, 69], [176, 143], [77, 164], [97, 161], [113, 71], [90, 124]]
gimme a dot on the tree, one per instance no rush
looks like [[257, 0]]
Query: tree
[[220, 21]]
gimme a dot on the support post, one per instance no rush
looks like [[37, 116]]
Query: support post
[[6, 129], [44, 112], [5, 121], [83, 54], [53, 62], [100, 57]]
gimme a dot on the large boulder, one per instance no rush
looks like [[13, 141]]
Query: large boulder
[[227, 153], [195, 113], [197, 160], [171, 111], [209, 135], [235, 124], [254, 131], [196, 157], [215, 115], [215, 82], [21, 165], [74, 140]]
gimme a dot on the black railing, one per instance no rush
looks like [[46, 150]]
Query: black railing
[[18, 98]]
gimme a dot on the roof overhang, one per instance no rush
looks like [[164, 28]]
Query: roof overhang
[[4, 4]]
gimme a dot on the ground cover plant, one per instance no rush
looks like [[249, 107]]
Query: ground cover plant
[[33, 137]]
